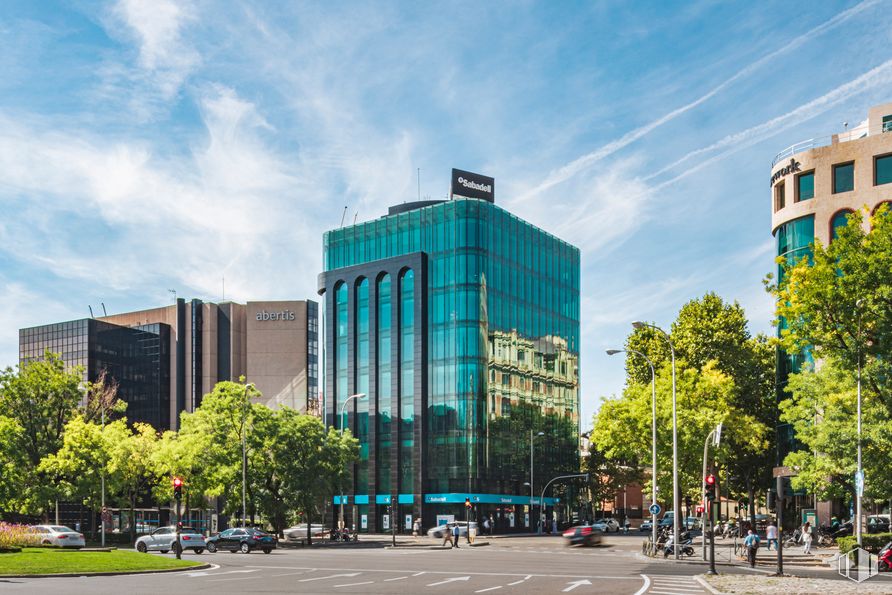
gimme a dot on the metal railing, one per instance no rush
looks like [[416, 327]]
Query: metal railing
[[797, 148]]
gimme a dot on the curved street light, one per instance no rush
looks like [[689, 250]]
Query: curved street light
[[343, 408], [675, 510], [653, 429], [551, 481]]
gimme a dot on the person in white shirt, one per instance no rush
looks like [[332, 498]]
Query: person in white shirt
[[771, 536]]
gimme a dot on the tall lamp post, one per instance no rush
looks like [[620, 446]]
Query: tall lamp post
[[244, 457], [343, 409], [675, 510], [533, 437], [653, 431], [859, 476], [551, 481]]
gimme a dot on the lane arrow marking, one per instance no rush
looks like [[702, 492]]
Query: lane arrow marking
[[450, 580], [575, 584], [322, 578]]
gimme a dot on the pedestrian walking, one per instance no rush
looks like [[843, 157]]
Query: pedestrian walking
[[806, 538], [554, 525], [771, 535], [492, 525], [486, 526], [456, 532], [751, 543], [447, 535], [416, 528]]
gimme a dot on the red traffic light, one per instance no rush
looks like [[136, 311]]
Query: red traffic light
[[710, 480], [177, 482], [699, 510]]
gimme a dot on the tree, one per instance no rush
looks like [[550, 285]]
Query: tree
[[839, 304], [822, 411], [41, 396], [10, 461], [132, 470], [607, 476]]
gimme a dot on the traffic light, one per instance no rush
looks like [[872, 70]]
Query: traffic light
[[467, 503], [709, 484], [177, 488], [699, 509]]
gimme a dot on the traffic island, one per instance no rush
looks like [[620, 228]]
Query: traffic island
[[35, 562], [787, 585]]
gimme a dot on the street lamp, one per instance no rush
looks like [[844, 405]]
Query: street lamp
[[653, 430], [859, 478], [675, 513], [343, 409], [551, 481], [532, 437], [244, 457]]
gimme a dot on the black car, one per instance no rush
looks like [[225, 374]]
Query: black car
[[242, 540], [585, 535]]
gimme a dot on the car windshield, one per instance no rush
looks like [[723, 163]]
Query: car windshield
[[59, 529], [255, 532], [188, 530]]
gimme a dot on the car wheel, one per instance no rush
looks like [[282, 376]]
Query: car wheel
[[199, 550], [141, 547], [267, 550], [212, 547], [245, 548], [47, 542], [163, 551]]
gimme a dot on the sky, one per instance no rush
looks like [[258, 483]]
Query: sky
[[157, 145]]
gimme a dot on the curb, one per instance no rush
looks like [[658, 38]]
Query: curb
[[703, 583], [124, 573]]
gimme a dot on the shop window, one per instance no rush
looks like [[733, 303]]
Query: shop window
[[805, 186], [843, 177]]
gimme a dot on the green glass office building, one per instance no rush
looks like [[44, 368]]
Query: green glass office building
[[460, 323]]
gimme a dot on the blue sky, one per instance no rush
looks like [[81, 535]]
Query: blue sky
[[147, 146]]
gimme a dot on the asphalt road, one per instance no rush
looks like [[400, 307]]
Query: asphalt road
[[510, 565]]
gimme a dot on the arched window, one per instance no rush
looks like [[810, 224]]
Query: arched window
[[840, 219], [340, 325], [383, 386]]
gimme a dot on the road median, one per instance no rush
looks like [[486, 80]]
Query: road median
[[45, 562]]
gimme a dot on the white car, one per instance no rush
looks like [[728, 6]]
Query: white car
[[439, 531], [300, 531], [606, 525], [58, 535], [163, 539]]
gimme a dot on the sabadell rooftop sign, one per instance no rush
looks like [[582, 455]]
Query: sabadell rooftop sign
[[471, 185]]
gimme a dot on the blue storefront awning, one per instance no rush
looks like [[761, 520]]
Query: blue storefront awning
[[453, 498]]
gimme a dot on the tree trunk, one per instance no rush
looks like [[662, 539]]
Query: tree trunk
[[751, 496], [132, 518]]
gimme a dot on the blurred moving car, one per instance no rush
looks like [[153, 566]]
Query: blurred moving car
[[584, 535], [300, 531], [58, 535], [163, 539], [438, 532], [878, 523], [692, 523], [242, 540], [606, 525], [645, 526]]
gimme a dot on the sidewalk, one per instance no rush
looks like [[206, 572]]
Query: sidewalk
[[791, 585]]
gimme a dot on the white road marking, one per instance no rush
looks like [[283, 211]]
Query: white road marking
[[646, 585], [686, 592], [575, 584], [526, 578], [219, 573], [322, 578], [450, 580], [418, 573], [354, 584], [399, 578], [489, 589]]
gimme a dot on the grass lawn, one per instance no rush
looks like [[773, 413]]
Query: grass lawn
[[55, 561]]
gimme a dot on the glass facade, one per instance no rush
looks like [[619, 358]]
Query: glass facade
[[476, 343], [795, 240]]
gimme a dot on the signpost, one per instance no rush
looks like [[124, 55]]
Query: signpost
[[780, 473], [655, 509]]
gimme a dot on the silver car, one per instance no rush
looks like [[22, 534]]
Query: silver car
[[606, 525], [300, 531], [163, 540], [439, 531], [57, 535]]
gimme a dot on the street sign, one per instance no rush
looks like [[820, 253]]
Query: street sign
[[718, 435], [655, 509], [783, 472], [859, 482]]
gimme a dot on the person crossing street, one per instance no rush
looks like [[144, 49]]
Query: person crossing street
[[751, 543]]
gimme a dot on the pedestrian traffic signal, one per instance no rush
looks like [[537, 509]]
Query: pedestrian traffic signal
[[699, 509], [177, 488], [467, 503], [709, 485]]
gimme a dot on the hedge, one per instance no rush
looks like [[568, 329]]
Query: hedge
[[872, 543]]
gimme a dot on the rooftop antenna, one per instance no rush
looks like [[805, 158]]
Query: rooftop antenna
[[355, 215], [845, 125], [419, 183], [343, 216], [223, 299], [174, 292], [91, 311], [104, 313]]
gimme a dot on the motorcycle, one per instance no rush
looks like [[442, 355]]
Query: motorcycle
[[884, 559], [686, 548]]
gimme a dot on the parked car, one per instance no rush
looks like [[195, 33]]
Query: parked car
[[606, 525], [163, 539], [878, 523], [645, 526], [300, 531], [438, 532], [666, 521], [58, 535], [242, 540], [585, 535], [692, 523]]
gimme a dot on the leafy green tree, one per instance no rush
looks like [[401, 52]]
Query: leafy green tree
[[839, 304], [10, 461], [822, 411], [607, 476], [131, 463], [41, 396]]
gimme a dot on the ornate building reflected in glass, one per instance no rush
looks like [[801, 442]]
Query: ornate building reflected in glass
[[461, 320]]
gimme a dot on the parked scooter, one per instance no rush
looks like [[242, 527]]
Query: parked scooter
[[686, 547], [884, 559]]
